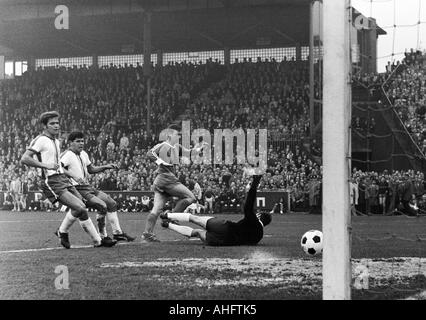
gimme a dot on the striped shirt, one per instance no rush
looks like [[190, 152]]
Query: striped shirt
[[77, 164], [47, 151]]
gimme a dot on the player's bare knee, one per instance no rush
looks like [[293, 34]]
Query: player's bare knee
[[153, 216], [103, 208], [82, 214], [100, 206]]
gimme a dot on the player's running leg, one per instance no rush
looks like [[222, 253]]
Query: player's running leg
[[112, 217], [186, 197], [78, 212], [159, 202], [96, 203]]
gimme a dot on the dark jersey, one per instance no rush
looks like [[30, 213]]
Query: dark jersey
[[247, 231]]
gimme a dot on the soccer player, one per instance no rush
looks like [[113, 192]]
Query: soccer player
[[166, 184], [220, 232], [77, 166], [56, 185]]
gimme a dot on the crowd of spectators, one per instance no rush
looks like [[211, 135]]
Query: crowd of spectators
[[262, 94], [106, 103], [388, 192], [407, 92]]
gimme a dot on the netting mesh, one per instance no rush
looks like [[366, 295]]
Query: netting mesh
[[387, 132]]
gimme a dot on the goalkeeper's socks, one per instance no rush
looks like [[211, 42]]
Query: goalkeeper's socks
[[183, 230], [179, 216]]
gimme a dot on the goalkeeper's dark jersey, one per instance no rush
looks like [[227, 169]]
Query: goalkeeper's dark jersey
[[247, 231]]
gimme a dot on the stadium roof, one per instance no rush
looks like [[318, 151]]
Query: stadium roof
[[116, 27]]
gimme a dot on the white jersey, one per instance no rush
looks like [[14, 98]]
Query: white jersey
[[47, 151], [76, 164]]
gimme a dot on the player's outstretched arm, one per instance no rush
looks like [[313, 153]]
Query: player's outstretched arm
[[198, 147], [27, 159], [96, 169], [251, 197]]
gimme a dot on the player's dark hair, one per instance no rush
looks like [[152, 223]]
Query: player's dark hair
[[45, 116], [265, 218], [75, 135]]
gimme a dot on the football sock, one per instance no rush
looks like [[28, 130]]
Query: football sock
[[100, 218], [115, 224], [179, 216], [67, 222], [183, 230], [89, 227]]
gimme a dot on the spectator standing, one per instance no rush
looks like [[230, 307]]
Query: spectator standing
[[124, 142], [383, 194], [16, 189]]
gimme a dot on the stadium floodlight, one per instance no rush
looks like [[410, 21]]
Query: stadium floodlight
[[336, 150]]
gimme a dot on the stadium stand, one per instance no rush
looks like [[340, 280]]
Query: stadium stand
[[106, 103], [407, 92]]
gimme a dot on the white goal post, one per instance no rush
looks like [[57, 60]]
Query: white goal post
[[336, 217]]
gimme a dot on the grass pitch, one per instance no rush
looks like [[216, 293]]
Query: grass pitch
[[181, 269]]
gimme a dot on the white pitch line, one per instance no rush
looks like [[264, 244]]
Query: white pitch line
[[32, 221], [43, 249], [84, 246], [36, 221]]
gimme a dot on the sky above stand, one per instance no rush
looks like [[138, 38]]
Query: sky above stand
[[405, 14]]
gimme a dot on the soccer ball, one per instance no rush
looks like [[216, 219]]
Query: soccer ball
[[311, 242]]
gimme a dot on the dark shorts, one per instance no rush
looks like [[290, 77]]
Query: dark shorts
[[164, 181], [56, 185], [87, 191], [218, 232]]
